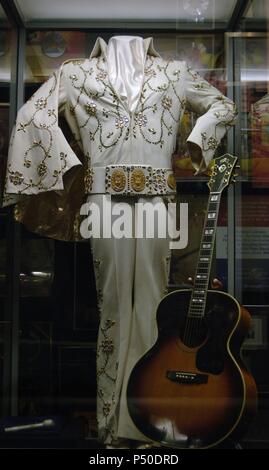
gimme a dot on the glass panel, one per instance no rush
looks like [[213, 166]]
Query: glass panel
[[253, 245], [58, 307], [190, 10], [5, 78], [257, 10], [5, 335], [5, 71], [252, 208], [251, 201], [254, 108]]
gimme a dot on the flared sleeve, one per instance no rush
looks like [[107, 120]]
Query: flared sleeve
[[39, 153]]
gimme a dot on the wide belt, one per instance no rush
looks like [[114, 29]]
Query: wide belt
[[130, 180]]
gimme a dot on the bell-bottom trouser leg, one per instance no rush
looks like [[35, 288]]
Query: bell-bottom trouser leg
[[131, 278]]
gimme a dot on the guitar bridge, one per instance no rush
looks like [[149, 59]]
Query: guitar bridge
[[186, 377]]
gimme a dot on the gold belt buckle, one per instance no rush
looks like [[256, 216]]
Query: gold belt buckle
[[141, 179], [118, 180], [137, 180]]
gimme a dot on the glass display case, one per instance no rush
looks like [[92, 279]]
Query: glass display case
[[5, 116], [49, 316]]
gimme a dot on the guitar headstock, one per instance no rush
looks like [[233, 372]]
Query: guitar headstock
[[222, 172]]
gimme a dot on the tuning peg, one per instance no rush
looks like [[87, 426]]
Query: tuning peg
[[237, 166], [233, 180]]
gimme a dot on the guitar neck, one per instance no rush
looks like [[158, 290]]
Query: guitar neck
[[220, 178], [201, 279]]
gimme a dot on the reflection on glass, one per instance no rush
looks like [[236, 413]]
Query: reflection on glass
[[252, 244], [196, 9], [46, 51], [252, 199], [260, 141], [5, 55], [53, 45], [254, 78]]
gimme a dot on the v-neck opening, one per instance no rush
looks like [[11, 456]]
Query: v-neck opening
[[124, 105], [127, 104]]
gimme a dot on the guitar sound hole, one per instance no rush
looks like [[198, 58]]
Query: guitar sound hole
[[194, 333]]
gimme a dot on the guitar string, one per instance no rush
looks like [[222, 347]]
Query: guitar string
[[193, 325], [189, 327]]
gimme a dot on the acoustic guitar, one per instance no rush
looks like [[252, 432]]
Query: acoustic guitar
[[192, 389]]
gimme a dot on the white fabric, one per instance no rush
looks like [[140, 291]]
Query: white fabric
[[131, 278], [126, 61]]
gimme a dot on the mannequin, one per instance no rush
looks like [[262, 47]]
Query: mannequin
[[123, 105]]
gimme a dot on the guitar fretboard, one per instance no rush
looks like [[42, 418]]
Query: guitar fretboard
[[201, 280]]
